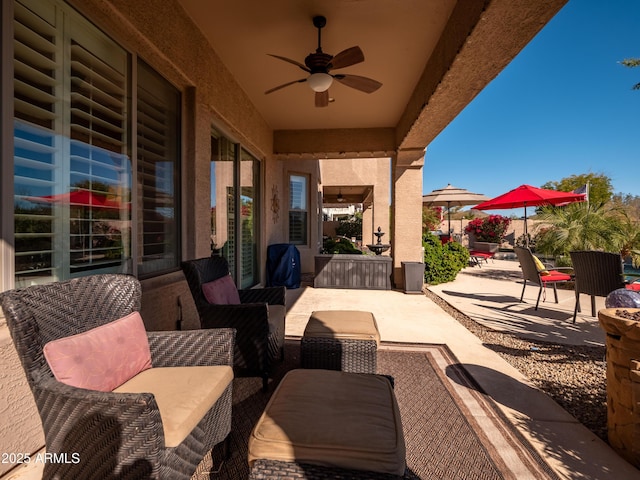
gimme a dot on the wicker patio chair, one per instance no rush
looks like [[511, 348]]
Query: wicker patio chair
[[597, 274], [259, 318], [112, 435], [539, 276]]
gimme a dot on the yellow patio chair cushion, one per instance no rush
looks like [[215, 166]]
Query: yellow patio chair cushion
[[542, 270]]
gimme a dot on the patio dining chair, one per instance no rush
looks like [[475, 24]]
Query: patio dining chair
[[536, 272], [597, 274], [118, 401]]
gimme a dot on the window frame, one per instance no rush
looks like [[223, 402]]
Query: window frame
[[304, 242], [130, 263], [244, 164]]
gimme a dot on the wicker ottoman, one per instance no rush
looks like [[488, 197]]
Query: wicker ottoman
[[344, 340], [336, 421]]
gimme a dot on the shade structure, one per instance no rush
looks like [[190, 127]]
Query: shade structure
[[451, 196], [528, 196]]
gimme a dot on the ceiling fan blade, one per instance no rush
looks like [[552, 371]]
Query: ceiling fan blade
[[322, 98], [288, 60], [284, 85], [347, 57], [364, 84]]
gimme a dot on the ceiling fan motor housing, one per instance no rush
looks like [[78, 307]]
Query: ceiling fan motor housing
[[318, 62]]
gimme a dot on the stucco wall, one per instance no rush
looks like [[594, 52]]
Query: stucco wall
[[20, 428], [515, 230]]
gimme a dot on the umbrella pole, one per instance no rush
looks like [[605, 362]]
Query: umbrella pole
[[449, 217], [526, 233]]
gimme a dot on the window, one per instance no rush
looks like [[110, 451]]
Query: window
[[298, 211], [158, 156], [234, 232], [72, 152], [249, 220], [223, 236]]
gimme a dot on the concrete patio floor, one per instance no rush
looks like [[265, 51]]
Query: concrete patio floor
[[490, 295]]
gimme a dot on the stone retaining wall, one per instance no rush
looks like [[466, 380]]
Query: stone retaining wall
[[623, 383]]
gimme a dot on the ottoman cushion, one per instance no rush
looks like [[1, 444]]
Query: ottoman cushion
[[334, 419], [351, 324]]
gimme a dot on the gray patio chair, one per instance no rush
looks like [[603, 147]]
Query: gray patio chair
[[531, 273], [114, 435]]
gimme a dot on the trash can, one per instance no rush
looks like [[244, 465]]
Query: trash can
[[413, 275], [283, 266]]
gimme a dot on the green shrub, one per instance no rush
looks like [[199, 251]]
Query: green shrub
[[339, 246], [351, 228], [442, 262]]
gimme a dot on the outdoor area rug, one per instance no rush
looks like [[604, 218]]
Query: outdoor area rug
[[452, 430]]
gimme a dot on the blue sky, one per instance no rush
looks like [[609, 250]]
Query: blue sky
[[563, 106]]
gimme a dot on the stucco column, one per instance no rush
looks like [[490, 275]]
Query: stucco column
[[406, 239]]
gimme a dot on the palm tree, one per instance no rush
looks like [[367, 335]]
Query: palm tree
[[578, 226], [627, 237]]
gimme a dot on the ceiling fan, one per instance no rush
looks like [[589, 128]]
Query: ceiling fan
[[320, 64]]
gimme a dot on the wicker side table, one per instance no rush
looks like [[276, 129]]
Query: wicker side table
[[344, 340]]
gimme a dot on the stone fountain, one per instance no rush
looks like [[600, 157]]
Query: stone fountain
[[379, 247]]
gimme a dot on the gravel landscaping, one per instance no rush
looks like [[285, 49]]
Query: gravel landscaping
[[574, 376]]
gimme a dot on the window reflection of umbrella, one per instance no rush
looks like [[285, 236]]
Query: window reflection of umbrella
[[89, 202], [528, 196], [83, 198], [451, 196]]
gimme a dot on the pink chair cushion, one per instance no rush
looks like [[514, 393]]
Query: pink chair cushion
[[221, 291], [102, 358]]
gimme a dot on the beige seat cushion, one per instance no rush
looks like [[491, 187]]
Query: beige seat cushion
[[183, 394], [332, 418], [348, 324]]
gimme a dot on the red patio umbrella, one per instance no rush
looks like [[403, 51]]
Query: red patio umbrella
[[528, 196]]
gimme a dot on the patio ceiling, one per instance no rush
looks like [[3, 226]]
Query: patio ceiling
[[346, 195], [432, 57]]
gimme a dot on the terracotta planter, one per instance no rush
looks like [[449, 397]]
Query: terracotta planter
[[623, 382], [486, 247]]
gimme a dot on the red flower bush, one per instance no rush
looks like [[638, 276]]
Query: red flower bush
[[490, 229]]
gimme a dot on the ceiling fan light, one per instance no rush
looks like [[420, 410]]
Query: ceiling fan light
[[320, 82], [340, 198]]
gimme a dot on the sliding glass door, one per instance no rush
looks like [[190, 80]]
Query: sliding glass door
[[235, 208]]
